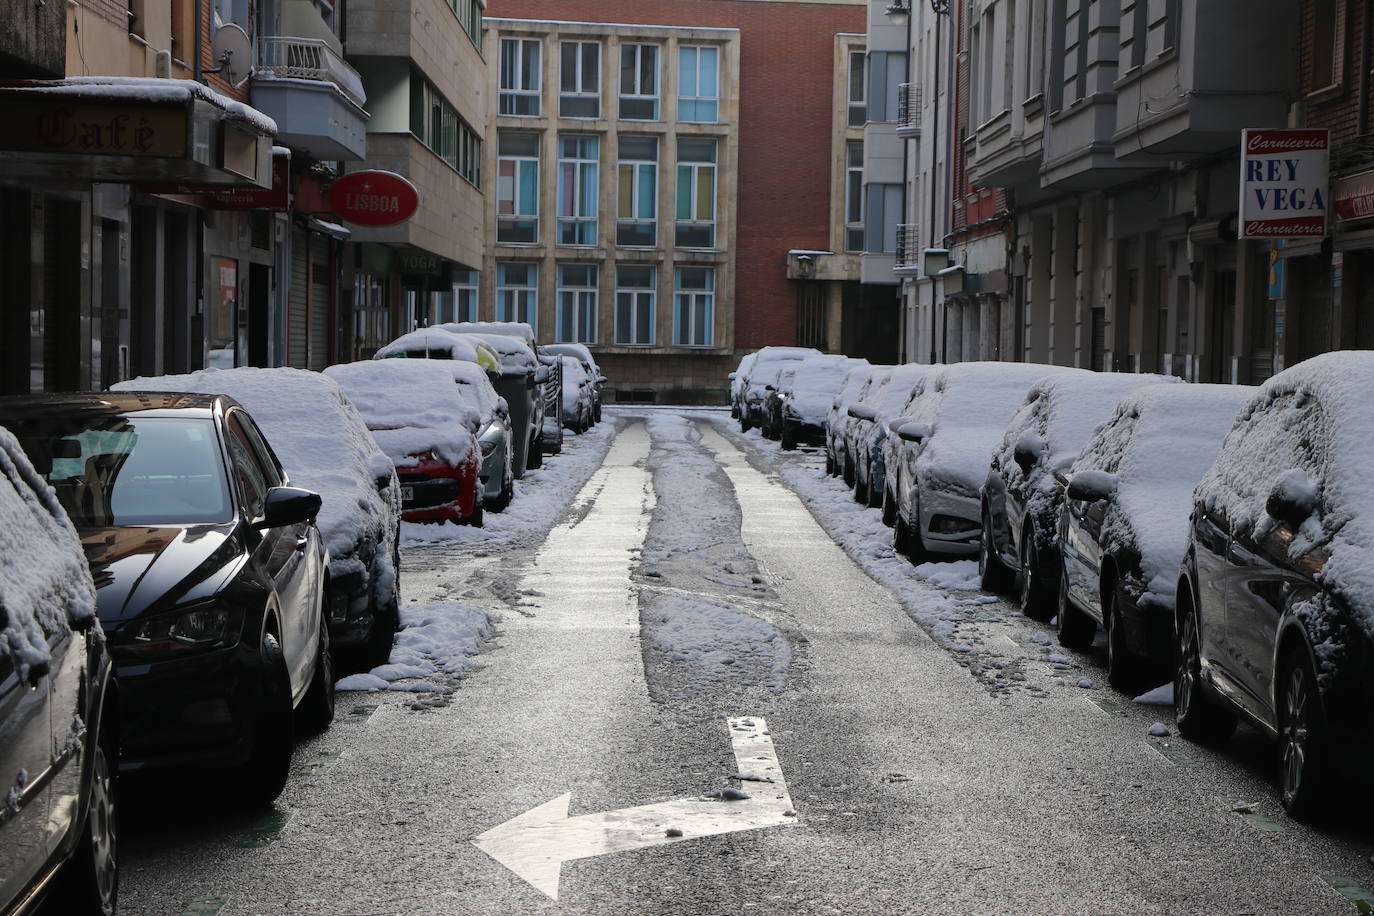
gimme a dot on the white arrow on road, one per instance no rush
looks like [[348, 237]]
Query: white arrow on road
[[535, 844]]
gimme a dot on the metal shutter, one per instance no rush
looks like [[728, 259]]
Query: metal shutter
[[319, 302], [297, 338]]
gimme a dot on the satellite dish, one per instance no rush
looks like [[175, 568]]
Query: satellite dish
[[232, 48]]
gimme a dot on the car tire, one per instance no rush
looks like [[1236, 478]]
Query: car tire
[[316, 711], [788, 437], [263, 777], [503, 498], [1197, 716], [90, 882], [875, 498], [478, 517], [1076, 630], [992, 572], [1125, 670], [847, 473], [1304, 775], [1030, 581], [860, 490], [889, 508], [744, 424]]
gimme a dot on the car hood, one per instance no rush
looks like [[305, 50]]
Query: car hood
[[137, 569]]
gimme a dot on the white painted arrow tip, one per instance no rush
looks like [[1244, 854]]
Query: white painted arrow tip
[[508, 844]]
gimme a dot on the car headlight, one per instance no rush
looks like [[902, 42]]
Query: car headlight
[[211, 625]]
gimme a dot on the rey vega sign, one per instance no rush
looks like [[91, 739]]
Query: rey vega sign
[[1283, 183]]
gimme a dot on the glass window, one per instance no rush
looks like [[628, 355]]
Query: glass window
[[696, 192], [854, 196], [517, 293], [470, 17], [639, 82], [520, 76], [858, 111], [637, 205], [579, 81], [576, 321], [693, 306], [635, 296], [883, 210], [578, 161], [517, 188], [698, 88], [438, 126], [459, 303]]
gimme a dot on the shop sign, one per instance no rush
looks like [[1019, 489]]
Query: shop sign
[[374, 198], [1283, 183], [93, 128], [1354, 195], [219, 197]]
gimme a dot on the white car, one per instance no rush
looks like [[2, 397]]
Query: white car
[[577, 396]]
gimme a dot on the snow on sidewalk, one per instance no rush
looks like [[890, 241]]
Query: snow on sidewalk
[[434, 638]]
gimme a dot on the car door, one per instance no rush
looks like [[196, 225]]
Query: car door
[[25, 739], [1080, 542], [67, 688]]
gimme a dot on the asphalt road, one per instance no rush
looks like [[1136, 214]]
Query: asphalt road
[[688, 620]]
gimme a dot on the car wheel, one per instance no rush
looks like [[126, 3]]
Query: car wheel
[[316, 711], [535, 459], [1197, 716], [503, 498], [1302, 737], [744, 424], [918, 553], [264, 776], [478, 517], [788, 436], [1031, 580], [875, 497], [596, 414], [1124, 669], [992, 572], [860, 490], [92, 875], [1074, 628]]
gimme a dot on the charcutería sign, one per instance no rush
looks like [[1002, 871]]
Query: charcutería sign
[[1283, 183], [374, 198]]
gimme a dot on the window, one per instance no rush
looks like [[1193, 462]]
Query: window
[[854, 196], [576, 304], [858, 111], [1035, 50], [470, 18], [460, 303], [247, 472], [637, 174], [520, 77], [639, 82], [517, 188], [1324, 22], [886, 72], [693, 306], [883, 210], [698, 83], [578, 158], [517, 293], [634, 305], [437, 125], [579, 80], [696, 193]]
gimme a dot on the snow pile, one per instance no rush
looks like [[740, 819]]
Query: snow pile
[[1159, 443], [716, 639], [144, 89], [574, 379], [433, 639], [321, 441], [961, 575], [1317, 418], [814, 385], [411, 406], [45, 583], [430, 343]]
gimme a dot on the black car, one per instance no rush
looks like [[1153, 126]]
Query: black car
[[58, 742], [1274, 606], [210, 575]]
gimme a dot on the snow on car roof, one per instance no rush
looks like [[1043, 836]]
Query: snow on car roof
[[318, 435], [457, 346], [742, 374], [45, 583], [476, 389], [815, 382], [574, 349], [516, 355], [411, 406], [505, 328], [892, 396]]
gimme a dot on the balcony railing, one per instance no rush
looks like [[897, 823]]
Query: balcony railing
[[908, 254], [909, 110], [283, 57]]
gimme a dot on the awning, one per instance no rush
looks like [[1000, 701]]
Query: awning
[[131, 129]]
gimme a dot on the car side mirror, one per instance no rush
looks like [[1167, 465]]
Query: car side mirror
[[770, 388], [502, 409], [1293, 498], [1091, 486], [601, 380], [732, 376], [914, 432], [288, 506]]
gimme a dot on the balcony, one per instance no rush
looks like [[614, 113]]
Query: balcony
[[315, 97], [907, 260], [908, 110]]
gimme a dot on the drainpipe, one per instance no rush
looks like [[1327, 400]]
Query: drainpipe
[[199, 49]]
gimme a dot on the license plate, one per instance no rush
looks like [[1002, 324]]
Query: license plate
[[407, 494]]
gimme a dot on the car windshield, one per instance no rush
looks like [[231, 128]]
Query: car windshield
[[112, 471]]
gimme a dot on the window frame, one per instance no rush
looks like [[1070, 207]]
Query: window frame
[[639, 95], [692, 171], [515, 70], [858, 92], [583, 301], [854, 196], [581, 93], [636, 167], [698, 99], [524, 304], [634, 295], [694, 298], [518, 161], [585, 207]]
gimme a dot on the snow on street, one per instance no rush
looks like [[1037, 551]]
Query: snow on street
[[586, 667]]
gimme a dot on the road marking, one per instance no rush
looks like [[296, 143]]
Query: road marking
[[1170, 752], [204, 906], [535, 844], [265, 831], [1352, 891]]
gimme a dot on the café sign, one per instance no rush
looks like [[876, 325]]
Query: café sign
[[1283, 183], [374, 198], [92, 128]]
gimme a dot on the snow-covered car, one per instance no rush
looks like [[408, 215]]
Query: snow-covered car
[[418, 418], [489, 419], [837, 418], [589, 366], [763, 374], [211, 577], [439, 343], [521, 382], [869, 433], [845, 441], [802, 404], [1021, 497], [325, 446], [1123, 522], [1276, 601], [56, 728], [577, 396], [946, 441], [738, 379]]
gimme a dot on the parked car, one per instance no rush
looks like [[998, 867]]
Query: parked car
[[768, 364], [837, 419], [846, 445], [589, 367], [1275, 607], [523, 382], [1123, 523], [60, 744], [551, 440], [438, 343], [953, 424], [776, 391], [578, 409], [800, 412], [869, 433], [738, 379], [325, 446], [1021, 496], [489, 419], [415, 413], [210, 576]]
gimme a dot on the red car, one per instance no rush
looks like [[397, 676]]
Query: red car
[[436, 490]]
